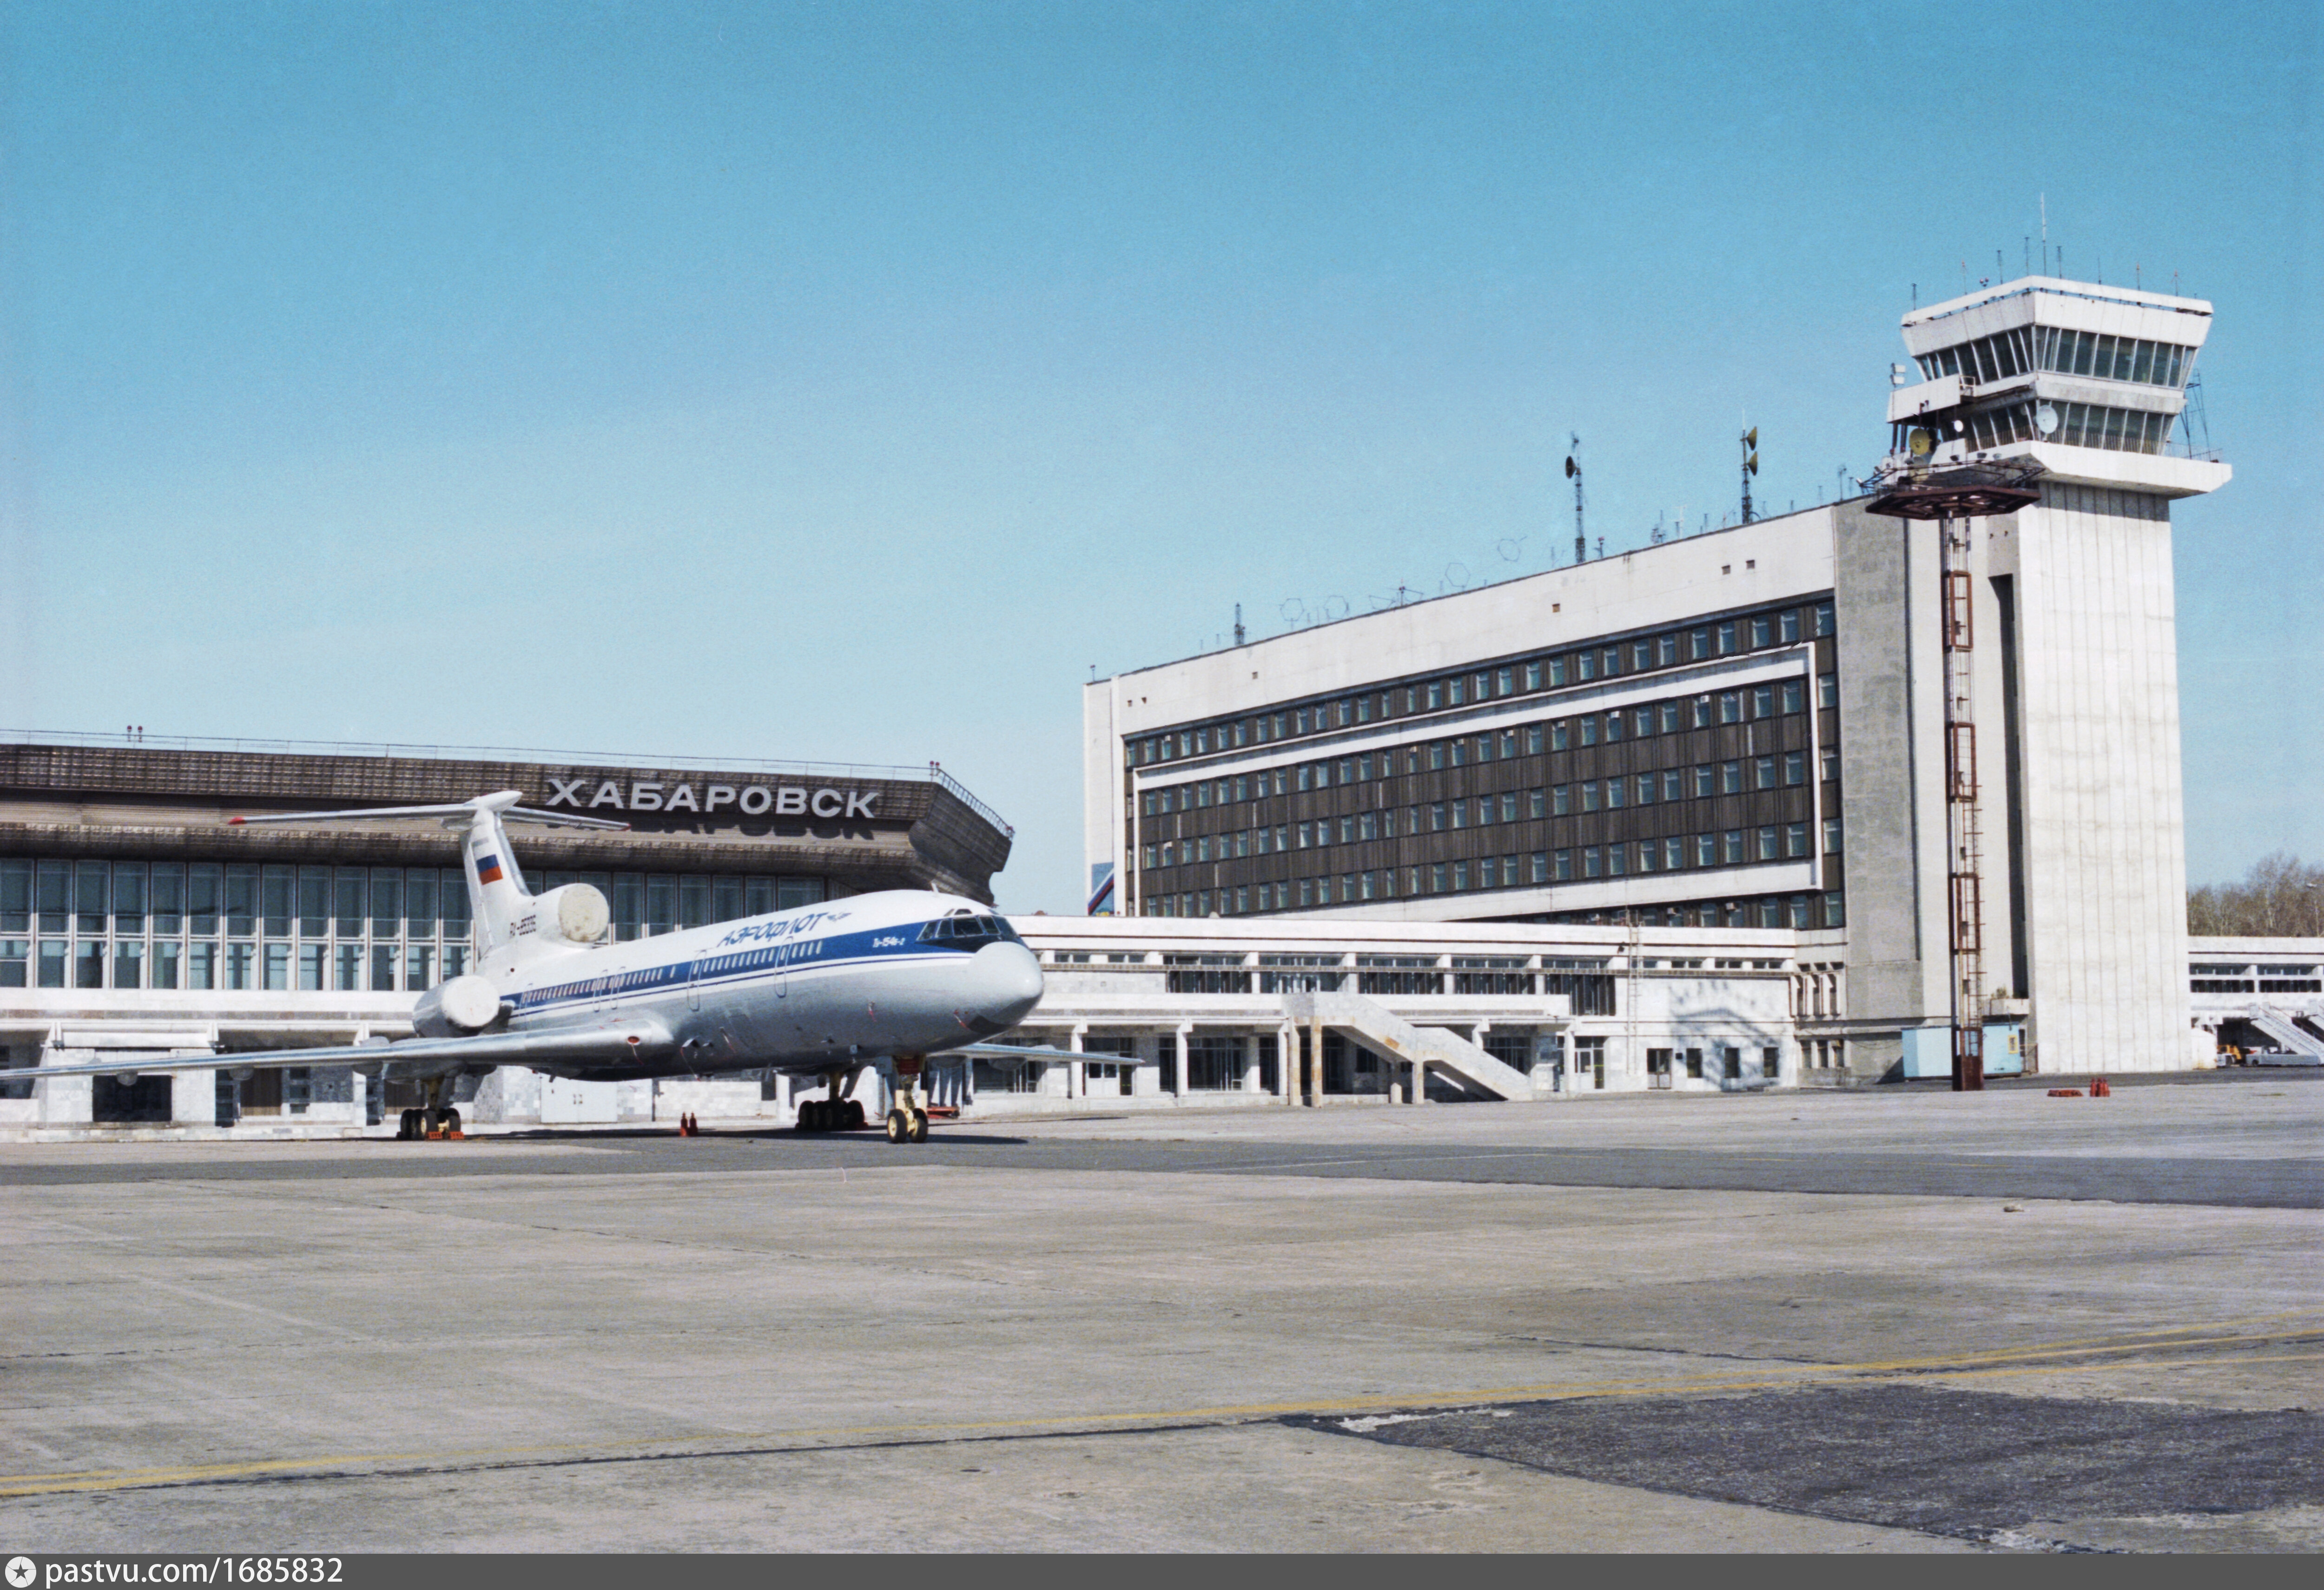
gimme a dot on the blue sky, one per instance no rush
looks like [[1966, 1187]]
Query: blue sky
[[844, 382]]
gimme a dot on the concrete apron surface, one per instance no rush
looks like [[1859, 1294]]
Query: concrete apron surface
[[592, 1344]]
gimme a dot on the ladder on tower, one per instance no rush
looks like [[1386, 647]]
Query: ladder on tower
[[1965, 916]]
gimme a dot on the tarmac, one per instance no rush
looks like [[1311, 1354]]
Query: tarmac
[[1882, 1319]]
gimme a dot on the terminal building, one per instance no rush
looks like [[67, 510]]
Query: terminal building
[[134, 918], [1751, 728]]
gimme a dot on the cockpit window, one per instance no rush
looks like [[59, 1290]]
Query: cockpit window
[[969, 931]]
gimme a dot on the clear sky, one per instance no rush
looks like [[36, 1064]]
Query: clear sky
[[844, 382]]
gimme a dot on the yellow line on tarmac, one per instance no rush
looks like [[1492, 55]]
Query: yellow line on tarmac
[[1972, 1366]]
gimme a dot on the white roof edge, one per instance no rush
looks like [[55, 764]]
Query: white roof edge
[[2133, 296]]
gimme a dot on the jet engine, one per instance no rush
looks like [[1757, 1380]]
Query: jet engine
[[575, 912], [456, 1008]]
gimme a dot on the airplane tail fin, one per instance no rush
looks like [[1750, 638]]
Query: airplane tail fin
[[497, 896]]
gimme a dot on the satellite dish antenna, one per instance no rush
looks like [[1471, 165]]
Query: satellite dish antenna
[[1922, 442], [1572, 468], [1752, 463], [2045, 420], [1751, 436]]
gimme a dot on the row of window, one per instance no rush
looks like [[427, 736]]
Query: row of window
[[1379, 975], [1732, 847], [1727, 637], [1784, 698], [206, 964], [120, 924], [1766, 910], [203, 900], [2275, 980], [1809, 911], [169, 900], [1483, 811], [2078, 425], [2014, 351]]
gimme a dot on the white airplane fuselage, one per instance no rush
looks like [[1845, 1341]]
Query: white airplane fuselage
[[808, 990]]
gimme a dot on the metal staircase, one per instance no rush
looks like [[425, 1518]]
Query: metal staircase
[[1386, 1033], [2280, 1026]]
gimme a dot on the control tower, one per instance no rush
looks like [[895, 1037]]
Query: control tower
[[2044, 444]]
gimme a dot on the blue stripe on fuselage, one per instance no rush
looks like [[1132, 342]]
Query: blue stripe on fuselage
[[742, 957]]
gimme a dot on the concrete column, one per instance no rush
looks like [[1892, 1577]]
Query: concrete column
[[193, 1098], [1179, 1059], [66, 1101], [1250, 1077], [1315, 1066], [1419, 1083], [1077, 1083], [1286, 1058]]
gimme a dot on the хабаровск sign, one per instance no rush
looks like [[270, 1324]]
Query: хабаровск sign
[[748, 799]]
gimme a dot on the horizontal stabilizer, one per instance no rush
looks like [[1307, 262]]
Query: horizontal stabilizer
[[1009, 1051]]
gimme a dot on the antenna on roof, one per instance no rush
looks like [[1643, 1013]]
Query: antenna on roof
[[1573, 472], [1750, 440], [1239, 631]]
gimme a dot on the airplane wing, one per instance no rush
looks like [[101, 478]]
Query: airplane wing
[[1009, 1051], [547, 1051]]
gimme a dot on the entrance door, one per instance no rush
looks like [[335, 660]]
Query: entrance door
[[1658, 1067]]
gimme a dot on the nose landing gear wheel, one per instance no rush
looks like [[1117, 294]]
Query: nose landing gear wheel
[[900, 1127]]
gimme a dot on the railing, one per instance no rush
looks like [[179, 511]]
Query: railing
[[139, 740], [943, 779]]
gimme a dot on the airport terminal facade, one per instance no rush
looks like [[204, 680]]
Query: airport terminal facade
[[1749, 728]]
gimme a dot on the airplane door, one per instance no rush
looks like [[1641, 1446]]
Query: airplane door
[[782, 973], [694, 984]]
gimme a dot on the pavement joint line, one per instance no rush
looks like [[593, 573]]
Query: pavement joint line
[[808, 1439]]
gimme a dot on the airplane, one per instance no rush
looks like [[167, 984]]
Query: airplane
[[883, 980]]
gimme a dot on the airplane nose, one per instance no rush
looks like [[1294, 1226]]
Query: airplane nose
[[1007, 982]]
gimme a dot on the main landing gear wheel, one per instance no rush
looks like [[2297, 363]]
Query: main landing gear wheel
[[807, 1113], [900, 1127], [919, 1126], [854, 1115], [407, 1126]]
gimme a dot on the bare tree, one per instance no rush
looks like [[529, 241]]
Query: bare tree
[[2279, 898]]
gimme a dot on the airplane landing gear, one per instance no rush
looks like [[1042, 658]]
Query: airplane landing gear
[[437, 1122], [830, 1115], [908, 1115]]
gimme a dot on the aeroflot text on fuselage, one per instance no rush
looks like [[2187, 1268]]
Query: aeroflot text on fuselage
[[751, 799], [782, 927]]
